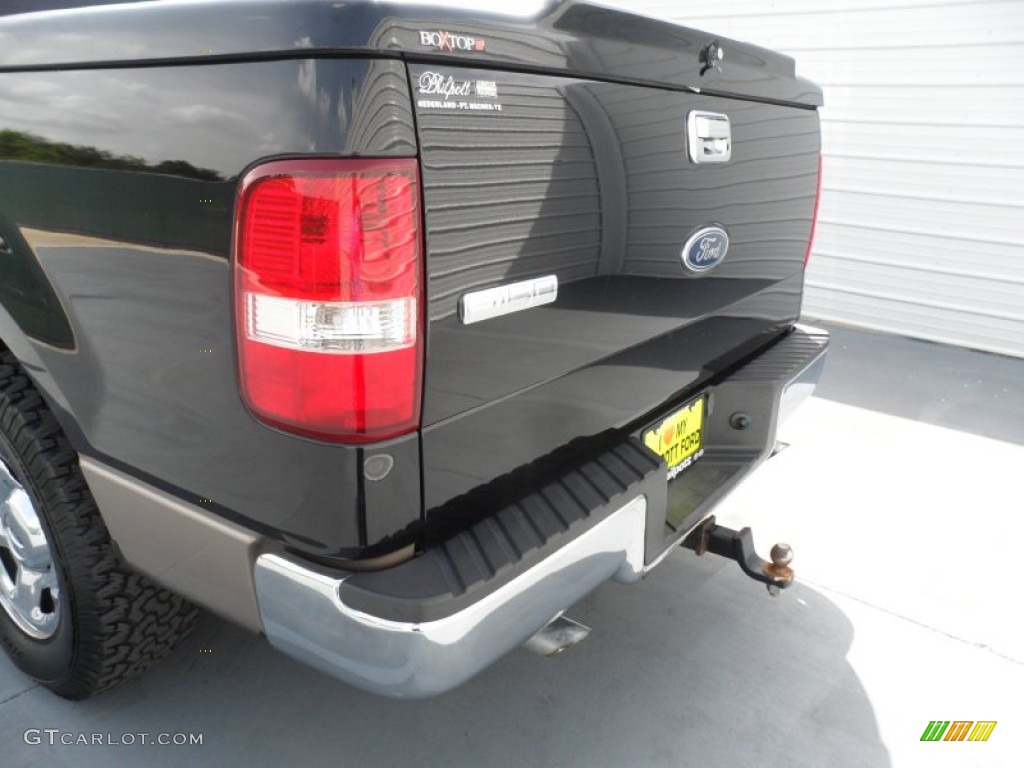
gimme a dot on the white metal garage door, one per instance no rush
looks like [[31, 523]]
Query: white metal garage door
[[921, 227]]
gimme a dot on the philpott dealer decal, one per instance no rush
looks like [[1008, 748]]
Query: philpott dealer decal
[[449, 93]]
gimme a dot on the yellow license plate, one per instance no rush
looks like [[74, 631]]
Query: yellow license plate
[[679, 439]]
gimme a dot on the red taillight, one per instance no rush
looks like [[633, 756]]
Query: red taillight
[[814, 218], [328, 289]]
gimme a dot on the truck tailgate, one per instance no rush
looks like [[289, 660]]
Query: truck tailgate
[[528, 176]]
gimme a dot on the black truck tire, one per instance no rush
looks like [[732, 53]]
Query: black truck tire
[[111, 622]]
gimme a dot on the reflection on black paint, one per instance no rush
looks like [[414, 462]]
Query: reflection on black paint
[[592, 182], [151, 209], [18, 145], [576, 37], [138, 168], [26, 293], [123, 201]]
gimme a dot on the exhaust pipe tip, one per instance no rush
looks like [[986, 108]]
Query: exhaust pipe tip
[[557, 636]]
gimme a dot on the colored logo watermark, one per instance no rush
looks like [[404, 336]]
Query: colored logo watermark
[[958, 730]]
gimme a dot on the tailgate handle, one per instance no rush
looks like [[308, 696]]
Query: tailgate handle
[[709, 137]]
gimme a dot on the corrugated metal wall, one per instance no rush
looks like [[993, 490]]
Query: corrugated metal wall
[[921, 227]]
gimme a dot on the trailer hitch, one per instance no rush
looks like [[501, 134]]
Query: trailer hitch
[[739, 546]]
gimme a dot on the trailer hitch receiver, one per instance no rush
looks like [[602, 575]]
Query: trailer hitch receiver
[[739, 546]]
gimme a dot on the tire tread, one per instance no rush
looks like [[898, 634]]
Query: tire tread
[[123, 621]]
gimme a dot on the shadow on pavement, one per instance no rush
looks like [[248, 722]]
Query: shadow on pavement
[[962, 389], [695, 666]]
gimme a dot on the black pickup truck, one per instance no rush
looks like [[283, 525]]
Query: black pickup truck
[[387, 331]]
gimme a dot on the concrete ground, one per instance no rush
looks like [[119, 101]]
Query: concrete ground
[[901, 494]]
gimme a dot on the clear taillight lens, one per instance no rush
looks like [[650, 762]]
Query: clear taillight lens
[[328, 292]]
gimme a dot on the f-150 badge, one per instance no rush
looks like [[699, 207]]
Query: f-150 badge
[[705, 249]]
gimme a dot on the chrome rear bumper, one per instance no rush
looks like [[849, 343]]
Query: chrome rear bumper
[[304, 616], [377, 647]]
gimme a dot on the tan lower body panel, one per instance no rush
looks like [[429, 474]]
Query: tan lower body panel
[[180, 546]]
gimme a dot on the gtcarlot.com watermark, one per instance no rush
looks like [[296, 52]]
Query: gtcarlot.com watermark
[[54, 736]]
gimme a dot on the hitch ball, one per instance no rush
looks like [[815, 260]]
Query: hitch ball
[[782, 555], [711, 537], [778, 570]]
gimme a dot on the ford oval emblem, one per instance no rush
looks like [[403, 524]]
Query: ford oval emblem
[[705, 249]]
